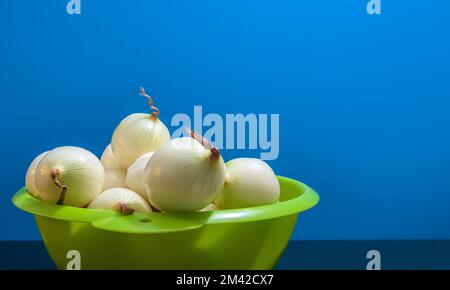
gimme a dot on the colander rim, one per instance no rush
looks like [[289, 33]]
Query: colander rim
[[306, 198]]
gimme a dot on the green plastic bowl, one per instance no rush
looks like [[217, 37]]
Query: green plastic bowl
[[249, 238]]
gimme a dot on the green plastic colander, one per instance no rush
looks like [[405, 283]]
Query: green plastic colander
[[249, 238]]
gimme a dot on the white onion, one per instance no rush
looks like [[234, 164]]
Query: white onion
[[248, 182], [184, 175], [30, 179], [108, 160], [114, 177], [138, 134], [120, 199], [210, 207], [69, 175], [135, 175]]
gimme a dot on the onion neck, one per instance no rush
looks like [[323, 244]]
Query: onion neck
[[154, 117], [215, 153], [125, 208], [155, 113], [55, 176]]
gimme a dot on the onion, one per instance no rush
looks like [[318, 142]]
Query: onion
[[108, 160], [30, 179], [248, 182], [135, 175], [184, 175], [69, 175], [138, 134], [114, 177], [210, 207], [122, 200]]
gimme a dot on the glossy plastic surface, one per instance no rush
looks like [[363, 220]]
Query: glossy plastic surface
[[249, 238]]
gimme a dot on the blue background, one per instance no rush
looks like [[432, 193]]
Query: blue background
[[363, 100]]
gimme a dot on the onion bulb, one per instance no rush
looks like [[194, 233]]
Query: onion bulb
[[108, 160], [248, 182], [185, 175], [122, 200], [135, 175], [30, 179], [114, 177], [69, 175], [210, 207], [138, 134]]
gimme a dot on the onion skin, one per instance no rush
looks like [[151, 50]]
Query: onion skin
[[108, 159], [77, 169], [210, 207], [136, 135], [122, 200], [184, 176], [249, 182], [30, 179], [135, 175], [114, 177]]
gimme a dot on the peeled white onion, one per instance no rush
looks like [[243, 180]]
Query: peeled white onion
[[30, 179], [184, 175], [135, 175], [114, 177], [69, 175], [210, 207], [138, 134], [108, 160], [248, 182], [122, 200]]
